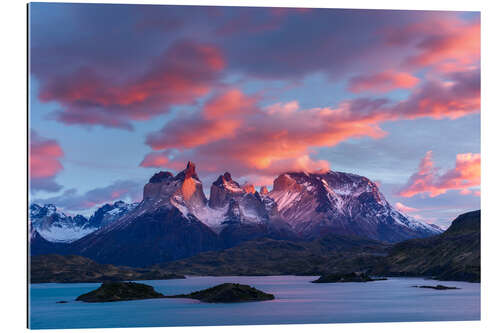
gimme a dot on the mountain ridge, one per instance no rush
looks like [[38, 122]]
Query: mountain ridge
[[175, 219]]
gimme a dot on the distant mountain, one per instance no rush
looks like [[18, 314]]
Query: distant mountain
[[453, 255], [57, 227], [343, 204], [108, 213]]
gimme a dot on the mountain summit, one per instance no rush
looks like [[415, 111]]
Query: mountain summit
[[341, 203]]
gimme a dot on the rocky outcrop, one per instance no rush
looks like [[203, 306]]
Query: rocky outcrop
[[120, 291], [223, 190], [248, 188], [228, 293], [438, 287], [349, 277]]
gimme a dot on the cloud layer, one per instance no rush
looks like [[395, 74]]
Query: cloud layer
[[232, 132]]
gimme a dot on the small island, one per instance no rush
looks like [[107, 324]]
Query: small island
[[120, 291], [438, 287], [228, 293], [349, 277]]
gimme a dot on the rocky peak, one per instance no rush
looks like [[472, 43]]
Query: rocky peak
[[222, 190], [188, 172], [284, 182], [248, 188], [264, 190], [161, 176]]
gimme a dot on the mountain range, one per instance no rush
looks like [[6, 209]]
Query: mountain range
[[175, 219]]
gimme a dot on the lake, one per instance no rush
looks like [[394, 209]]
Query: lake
[[297, 302]]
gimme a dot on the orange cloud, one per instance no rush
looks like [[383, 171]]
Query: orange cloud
[[382, 82], [466, 176]]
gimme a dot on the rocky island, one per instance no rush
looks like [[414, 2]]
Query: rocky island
[[120, 291], [438, 287], [349, 277], [228, 293]]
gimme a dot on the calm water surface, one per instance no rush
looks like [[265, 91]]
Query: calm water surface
[[297, 302]]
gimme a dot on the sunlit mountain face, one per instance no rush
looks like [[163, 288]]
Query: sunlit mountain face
[[122, 92]]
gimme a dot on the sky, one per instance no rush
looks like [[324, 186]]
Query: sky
[[119, 92]]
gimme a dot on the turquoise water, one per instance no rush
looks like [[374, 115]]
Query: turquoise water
[[297, 302]]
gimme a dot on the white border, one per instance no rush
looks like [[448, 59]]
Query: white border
[[13, 175]]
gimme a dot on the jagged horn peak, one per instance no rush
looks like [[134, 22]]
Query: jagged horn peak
[[249, 188], [225, 178], [188, 172], [190, 167], [284, 182]]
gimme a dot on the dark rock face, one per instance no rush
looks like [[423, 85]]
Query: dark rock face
[[119, 291], [164, 234], [350, 277], [228, 293], [39, 245]]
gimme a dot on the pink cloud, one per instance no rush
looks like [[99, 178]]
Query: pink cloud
[[446, 44], [155, 160], [429, 180], [405, 209], [458, 95], [185, 72], [382, 82], [229, 103], [44, 162], [221, 117]]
